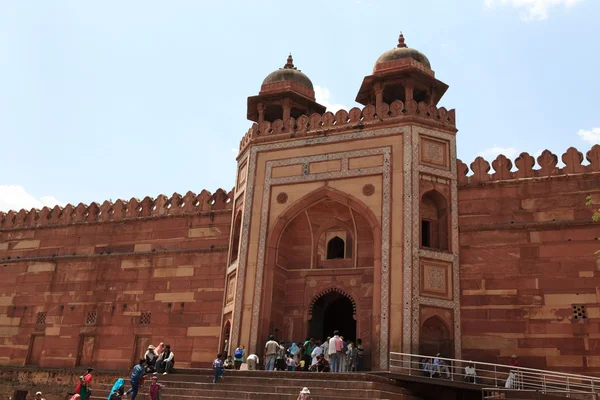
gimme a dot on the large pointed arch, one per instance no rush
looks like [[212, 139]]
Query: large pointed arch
[[271, 319], [323, 193]]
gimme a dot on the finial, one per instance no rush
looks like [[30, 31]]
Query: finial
[[401, 41], [290, 62]]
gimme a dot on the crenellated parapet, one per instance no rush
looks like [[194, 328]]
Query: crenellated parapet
[[161, 206], [316, 124], [525, 163]]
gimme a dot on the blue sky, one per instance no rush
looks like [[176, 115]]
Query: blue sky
[[118, 99]]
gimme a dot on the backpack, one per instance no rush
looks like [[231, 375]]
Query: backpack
[[238, 353]]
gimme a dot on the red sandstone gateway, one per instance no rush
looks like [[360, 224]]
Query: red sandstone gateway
[[361, 221]]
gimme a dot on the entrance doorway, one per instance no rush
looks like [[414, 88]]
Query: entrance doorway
[[331, 312]]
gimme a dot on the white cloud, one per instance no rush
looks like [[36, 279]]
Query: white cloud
[[493, 152], [14, 197], [323, 97], [533, 9], [591, 136]]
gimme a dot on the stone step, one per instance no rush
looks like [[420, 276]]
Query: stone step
[[235, 391]]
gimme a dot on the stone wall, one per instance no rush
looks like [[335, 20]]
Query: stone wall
[[99, 289], [53, 383], [528, 266]]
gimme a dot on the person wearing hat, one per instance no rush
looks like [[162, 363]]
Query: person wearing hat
[[304, 394], [38, 396], [151, 358], [155, 389]]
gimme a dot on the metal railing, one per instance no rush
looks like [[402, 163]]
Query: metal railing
[[496, 376]]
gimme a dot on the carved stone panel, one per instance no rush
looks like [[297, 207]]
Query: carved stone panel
[[434, 152], [436, 279]]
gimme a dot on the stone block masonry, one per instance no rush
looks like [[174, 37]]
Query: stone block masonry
[[530, 282], [78, 290]]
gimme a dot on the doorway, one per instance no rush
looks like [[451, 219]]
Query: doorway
[[435, 338], [331, 312]]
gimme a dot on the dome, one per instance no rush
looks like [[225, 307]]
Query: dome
[[400, 52], [289, 73]]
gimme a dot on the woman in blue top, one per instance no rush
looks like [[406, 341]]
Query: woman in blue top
[[116, 393], [238, 356]]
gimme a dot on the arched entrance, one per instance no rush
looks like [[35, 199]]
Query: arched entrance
[[330, 312], [225, 344], [435, 338]]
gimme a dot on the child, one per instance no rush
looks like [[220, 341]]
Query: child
[[291, 363], [155, 389], [218, 368], [228, 363]]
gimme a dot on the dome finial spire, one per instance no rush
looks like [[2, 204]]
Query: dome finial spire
[[401, 41], [290, 62]]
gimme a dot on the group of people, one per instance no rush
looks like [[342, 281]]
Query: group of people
[[436, 367], [159, 359], [335, 354]]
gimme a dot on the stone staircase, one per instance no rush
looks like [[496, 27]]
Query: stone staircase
[[197, 384]]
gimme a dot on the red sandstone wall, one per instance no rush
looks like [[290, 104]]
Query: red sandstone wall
[[526, 257], [166, 257]]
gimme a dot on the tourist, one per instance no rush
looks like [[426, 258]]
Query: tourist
[[38, 396], [155, 389], [117, 391], [280, 364], [513, 375], [295, 353], [351, 357], [136, 378], [325, 347], [317, 351], [228, 364], [226, 348], [304, 394], [309, 344], [428, 368], [238, 357], [322, 364], [334, 349], [342, 355], [470, 373], [291, 363], [166, 360], [440, 366], [151, 358], [360, 355], [218, 368], [160, 348], [253, 362], [271, 348], [83, 388]]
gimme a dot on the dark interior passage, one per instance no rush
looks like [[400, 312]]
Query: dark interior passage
[[331, 312]]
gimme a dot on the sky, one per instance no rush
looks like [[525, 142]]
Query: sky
[[119, 99]]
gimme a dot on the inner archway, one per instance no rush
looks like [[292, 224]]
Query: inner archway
[[331, 312], [435, 338]]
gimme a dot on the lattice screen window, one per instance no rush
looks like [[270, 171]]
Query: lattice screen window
[[579, 312], [91, 318], [145, 318], [41, 318]]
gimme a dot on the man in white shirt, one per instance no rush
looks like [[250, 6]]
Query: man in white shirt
[[334, 350], [317, 351], [271, 350], [252, 361], [470, 374], [325, 348]]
